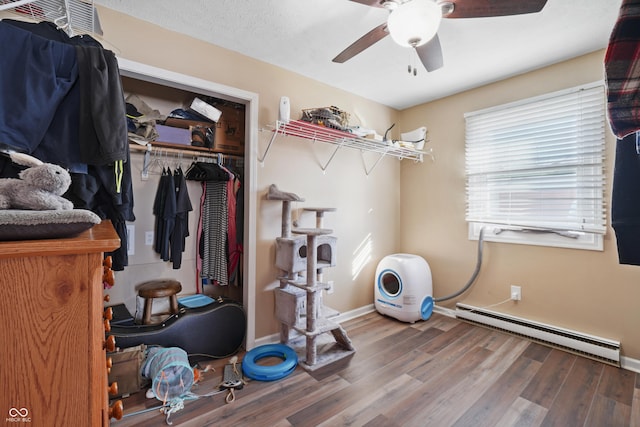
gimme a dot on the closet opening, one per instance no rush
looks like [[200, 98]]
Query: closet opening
[[165, 91]]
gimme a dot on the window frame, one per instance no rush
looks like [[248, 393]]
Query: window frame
[[531, 235]]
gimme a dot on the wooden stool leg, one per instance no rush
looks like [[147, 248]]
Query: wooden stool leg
[[146, 314], [173, 301]]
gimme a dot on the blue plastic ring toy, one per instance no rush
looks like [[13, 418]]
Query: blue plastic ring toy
[[269, 373]]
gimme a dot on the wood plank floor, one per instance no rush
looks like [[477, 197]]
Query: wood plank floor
[[441, 372]]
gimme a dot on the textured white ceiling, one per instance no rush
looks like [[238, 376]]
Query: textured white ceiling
[[305, 35]]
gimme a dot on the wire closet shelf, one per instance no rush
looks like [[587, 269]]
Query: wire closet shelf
[[340, 139], [75, 17]]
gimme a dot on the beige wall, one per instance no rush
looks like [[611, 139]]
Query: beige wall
[[582, 290], [368, 207], [415, 208]]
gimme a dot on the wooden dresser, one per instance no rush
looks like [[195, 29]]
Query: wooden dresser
[[53, 368]]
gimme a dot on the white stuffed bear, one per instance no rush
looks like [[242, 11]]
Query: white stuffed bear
[[39, 187]]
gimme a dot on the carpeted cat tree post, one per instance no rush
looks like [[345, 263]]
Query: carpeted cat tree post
[[299, 298]]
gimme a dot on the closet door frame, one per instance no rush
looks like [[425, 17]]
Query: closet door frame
[[168, 78]]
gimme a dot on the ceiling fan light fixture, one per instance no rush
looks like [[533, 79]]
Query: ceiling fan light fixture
[[415, 22]]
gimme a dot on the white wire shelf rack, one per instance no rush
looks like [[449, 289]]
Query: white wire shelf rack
[[341, 139], [73, 16]]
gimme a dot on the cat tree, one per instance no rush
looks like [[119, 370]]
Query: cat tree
[[299, 298]]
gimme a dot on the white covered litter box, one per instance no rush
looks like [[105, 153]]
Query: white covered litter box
[[403, 288]]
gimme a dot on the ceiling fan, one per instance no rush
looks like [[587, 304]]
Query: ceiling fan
[[414, 23]]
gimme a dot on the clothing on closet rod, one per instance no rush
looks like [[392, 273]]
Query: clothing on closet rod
[[218, 248], [206, 171], [181, 228], [236, 258], [214, 233], [171, 208], [235, 235], [164, 209]]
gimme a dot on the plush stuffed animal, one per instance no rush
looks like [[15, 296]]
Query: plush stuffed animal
[[39, 187]]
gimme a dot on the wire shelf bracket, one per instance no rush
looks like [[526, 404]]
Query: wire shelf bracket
[[326, 165]]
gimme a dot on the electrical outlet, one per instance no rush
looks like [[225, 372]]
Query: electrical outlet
[[148, 238], [330, 287], [516, 293]]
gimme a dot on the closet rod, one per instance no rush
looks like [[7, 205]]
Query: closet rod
[[185, 151], [198, 155]]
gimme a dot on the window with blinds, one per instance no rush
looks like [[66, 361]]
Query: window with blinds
[[534, 169]]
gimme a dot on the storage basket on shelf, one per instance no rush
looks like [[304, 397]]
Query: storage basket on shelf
[[331, 117]]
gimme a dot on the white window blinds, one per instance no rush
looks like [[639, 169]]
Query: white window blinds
[[538, 163]]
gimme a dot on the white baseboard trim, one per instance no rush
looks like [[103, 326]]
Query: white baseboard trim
[[269, 339], [342, 317], [444, 311], [625, 362], [352, 314], [630, 364]]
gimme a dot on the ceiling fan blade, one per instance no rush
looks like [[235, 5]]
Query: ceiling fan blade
[[430, 54], [373, 36], [372, 3], [488, 8]]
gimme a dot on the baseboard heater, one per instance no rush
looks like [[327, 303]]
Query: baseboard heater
[[601, 349]]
